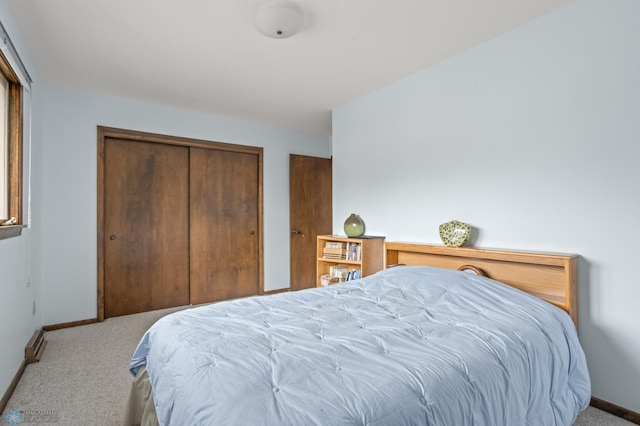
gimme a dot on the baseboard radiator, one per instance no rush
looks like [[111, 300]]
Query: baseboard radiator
[[35, 348], [32, 353]]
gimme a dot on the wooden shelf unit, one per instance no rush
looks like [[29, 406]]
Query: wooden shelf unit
[[371, 255]]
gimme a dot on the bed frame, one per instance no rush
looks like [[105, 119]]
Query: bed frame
[[550, 276]]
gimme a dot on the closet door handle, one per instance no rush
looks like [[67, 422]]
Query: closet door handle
[[112, 237]]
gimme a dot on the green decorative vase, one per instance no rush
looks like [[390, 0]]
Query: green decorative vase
[[354, 226]]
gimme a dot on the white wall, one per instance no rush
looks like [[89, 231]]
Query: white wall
[[19, 256], [69, 190], [533, 138]]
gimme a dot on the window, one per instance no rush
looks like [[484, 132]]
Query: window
[[10, 148], [4, 174]]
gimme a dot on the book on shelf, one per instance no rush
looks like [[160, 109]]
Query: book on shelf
[[343, 251], [338, 274], [334, 244], [354, 251], [327, 279], [338, 270], [334, 250], [330, 253], [352, 275]]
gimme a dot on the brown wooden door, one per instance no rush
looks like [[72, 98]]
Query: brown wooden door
[[224, 225], [146, 226], [310, 214]]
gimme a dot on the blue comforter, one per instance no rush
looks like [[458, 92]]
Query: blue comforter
[[406, 346]]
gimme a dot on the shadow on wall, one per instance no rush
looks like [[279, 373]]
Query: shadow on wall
[[618, 382]]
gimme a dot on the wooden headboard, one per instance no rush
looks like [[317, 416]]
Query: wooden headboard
[[550, 276]]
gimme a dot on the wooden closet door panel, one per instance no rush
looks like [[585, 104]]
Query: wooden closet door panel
[[224, 225], [146, 234]]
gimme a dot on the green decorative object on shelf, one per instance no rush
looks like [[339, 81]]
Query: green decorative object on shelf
[[354, 226], [454, 233]]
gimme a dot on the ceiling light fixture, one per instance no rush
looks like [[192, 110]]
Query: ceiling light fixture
[[279, 20]]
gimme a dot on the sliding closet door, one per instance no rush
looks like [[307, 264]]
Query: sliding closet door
[[224, 218], [146, 226]]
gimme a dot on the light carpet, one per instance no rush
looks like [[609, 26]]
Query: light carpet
[[83, 376]]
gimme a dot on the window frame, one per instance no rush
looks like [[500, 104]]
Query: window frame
[[13, 151]]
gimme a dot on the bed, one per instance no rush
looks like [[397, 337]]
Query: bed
[[429, 341]]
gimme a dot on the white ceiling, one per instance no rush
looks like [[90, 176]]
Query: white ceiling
[[205, 55]]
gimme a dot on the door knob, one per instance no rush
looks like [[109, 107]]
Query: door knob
[[112, 237], [295, 231]]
